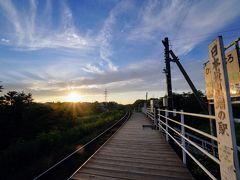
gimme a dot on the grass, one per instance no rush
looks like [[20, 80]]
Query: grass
[[26, 158]]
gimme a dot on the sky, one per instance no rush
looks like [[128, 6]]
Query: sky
[[52, 48]]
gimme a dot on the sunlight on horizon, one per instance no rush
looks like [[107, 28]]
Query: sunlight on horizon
[[73, 97]]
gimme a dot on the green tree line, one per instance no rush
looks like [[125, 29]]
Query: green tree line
[[34, 136]]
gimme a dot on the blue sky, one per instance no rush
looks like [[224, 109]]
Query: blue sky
[[51, 48]]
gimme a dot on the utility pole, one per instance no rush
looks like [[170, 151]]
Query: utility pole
[[146, 97], [105, 95], [167, 71], [170, 56]]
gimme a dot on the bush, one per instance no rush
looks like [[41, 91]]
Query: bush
[[44, 133]]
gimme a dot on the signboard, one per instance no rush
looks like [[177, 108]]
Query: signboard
[[233, 70], [227, 148], [208, 81]]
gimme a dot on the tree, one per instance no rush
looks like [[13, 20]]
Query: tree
[[1, 87], [1, 97], [14, 98]]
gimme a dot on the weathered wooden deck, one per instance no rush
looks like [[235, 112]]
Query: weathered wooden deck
[[135, 153]]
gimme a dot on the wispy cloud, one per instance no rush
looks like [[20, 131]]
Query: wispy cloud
[[29, 34], [106, 33], [43, 79], [134, 77], [33, 31], [90, 68], [5, 40], [178, 19], [120, 53]]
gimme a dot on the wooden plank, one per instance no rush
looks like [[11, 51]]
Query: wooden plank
[[137, 170], [158, 162], [137, 166], [128, 174], [85, 176], [143, 159], [135, 153]]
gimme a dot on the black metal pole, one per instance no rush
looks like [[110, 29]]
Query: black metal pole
[[168, 73], [195, 91], [169, 85]]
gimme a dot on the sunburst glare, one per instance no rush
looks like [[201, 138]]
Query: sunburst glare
[[73, 97]]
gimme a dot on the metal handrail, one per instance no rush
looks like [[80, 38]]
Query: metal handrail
[[194, 144], [190, 155], [151, 114], [161, 123], [193, 129], [189, 135], [189, 114], [236, 120]]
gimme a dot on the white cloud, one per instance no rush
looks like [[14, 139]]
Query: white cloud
[[5, 40], [33, 31], [179, 19], [135, 76], [157, 19], [29, 34], [106, 33], [90, 68]]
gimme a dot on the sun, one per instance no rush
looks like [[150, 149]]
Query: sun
[[73, 97]]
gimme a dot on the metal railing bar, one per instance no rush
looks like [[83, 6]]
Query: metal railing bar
[[197, 138], [190, 155], [150, 115], [236, 120], [190, 114], [193, 129], [194, 144], [149, 112]]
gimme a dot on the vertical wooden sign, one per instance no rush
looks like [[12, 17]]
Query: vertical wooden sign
[[227, 148], [208, 80], [233, 70]]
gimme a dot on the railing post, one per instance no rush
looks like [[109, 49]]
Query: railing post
[[211, 128], [155, 118], [182, 139], [166, 120], [158, 119], [174, 113]]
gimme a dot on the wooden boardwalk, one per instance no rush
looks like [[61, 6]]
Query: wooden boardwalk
[[134, 153]]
